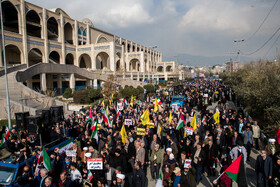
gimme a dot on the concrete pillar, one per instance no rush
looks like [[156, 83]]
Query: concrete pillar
[[62, 39], [142, 63], [89, 83], [29, 83], [45, 36], [88, 34], [93, 59], [138, 76], [24, 32], [131, 75], [49, 81], [75, 33], [1, 61], [122, 62], [72, 81], [59, 83], [43, 82], [112, 57], [95, 83]]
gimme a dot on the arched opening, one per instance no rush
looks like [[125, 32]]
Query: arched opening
[[34, 57], [33, 24], [102, 40], [69, 59], [10, 17], [128, 47], [133, 48], [102, 61], [118, 65], [54, 57], [160, 69], [169, 68], [85, 61], [134, 65], [13, 55], [68, 33], [52, 26]]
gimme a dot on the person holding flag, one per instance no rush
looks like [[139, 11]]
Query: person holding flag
[[145, 118]]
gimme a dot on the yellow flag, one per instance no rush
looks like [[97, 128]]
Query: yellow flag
[[193, 122], [216, 117], [156, 105], [131, 100], [123, 134], [145, 118], [103, 104], [170, 117], [107, 111]]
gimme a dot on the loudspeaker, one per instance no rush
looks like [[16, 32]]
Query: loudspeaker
[[56, 113], [46, 117], [34, 125], [21, 120]]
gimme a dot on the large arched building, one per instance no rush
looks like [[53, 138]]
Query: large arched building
[[35, 35]]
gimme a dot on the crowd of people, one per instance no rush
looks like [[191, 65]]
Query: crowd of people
[[177, 156]]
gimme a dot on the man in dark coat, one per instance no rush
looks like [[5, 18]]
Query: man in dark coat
[[198, 160], [139, 179], [263, 168], [211, 154]]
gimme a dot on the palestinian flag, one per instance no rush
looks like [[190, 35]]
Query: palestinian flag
[[66, 145], [159, 181], [181, 122], [90, 117], [125, 103], [7, 132], [46, 159], [94, 131], [2, 140], [89, 176], [236, 171]]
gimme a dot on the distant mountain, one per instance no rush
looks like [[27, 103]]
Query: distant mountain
[[193, 60]]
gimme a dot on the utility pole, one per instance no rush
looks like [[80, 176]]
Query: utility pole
[[5, 66]]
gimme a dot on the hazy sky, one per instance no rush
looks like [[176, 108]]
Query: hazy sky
[[201, 28]]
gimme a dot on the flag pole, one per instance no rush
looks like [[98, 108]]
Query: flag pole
[[219, 176], [5, 67]]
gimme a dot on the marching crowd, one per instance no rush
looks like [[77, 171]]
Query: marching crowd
[[175, 155]]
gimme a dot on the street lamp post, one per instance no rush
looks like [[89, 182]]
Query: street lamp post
[[5, 67]]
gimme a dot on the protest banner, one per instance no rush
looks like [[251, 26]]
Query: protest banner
[[128, 122], [120, 106], [70, 153], [141, 131], [189, 130], [150, 125], [187, 163], [95, 164]]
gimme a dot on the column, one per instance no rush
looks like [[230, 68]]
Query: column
[[138, 76], [95, 83], [59, 83], [24, 32], [142, 63], [43, 82], [45, 36], [75, 33], [72, 82], [131, 75], [88, 34], [1, 61], [93, 59], [49, 81], [29, 83], [122, 63], [89, 83], [112, 57], [62, 39]]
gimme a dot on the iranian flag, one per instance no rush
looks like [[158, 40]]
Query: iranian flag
[[94, 131], [159, 181], [90, 118], [90, 177], [236, 171], [118, 115], [181, 122], [46, 159], [7, 131], [106, 119], [125, 103], [65, 146], [158, 100], [2, 140]]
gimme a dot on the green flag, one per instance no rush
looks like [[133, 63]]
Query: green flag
[[46, 159]]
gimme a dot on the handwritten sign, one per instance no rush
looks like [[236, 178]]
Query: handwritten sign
[[150, 125], [95, 164], [189, 130], [128, 122], [141, 131], [119, 106], [70, 153], [187, 163]]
